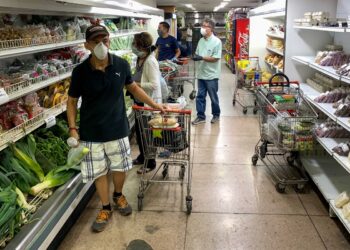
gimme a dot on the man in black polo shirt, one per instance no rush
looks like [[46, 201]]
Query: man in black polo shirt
[[104, 127]]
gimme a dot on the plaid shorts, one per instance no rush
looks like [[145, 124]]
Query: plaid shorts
[[105, 157]]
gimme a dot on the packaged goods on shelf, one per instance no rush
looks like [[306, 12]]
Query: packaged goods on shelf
[[331, 129], [322, 83], [277, 29], [333, 96], [319, 18], [342, 149], [55, 94], [275, 44], [346, 210], [342, 200], [15, 113]]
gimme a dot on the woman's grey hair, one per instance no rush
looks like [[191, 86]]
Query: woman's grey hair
[[210, 22]]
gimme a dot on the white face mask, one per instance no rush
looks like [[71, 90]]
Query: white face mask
[[203, 31], [100, 51]]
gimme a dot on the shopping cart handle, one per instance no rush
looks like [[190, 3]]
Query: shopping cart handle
[[278, 83], [178, 111]]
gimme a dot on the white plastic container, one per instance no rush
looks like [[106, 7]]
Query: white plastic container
[[342, 199]]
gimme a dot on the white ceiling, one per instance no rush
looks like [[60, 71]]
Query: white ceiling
[[207, 5]]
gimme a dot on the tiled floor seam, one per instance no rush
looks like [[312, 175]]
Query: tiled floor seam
[[313, 224]]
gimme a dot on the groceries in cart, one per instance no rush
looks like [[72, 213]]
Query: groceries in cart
[[287, 119], [248, 73]]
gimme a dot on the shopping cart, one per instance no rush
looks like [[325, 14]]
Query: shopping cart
[[286, 122], [177, 74], [248, 73], [166, 138]]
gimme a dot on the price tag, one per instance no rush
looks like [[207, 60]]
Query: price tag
[[4, 98], [50, 121]]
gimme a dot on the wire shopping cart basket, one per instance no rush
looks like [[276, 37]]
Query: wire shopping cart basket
[[248, 73], [286, 123], [177, 75], [167, 138]]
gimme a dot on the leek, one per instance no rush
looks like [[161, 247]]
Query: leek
[[22, 202], [27, 161], [53, 179]]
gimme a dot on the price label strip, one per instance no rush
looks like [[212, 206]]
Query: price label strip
[[4, 98], [50, 121]]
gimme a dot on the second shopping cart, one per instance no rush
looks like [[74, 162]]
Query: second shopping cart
[[177, 75], [248, 73], [286, 123]]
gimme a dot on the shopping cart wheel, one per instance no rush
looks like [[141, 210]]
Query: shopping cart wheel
[[290, 160], [300, 188], [182, 172], [255, 110], [255, 159], [245, 110], [189, 204], [233, 102], [140, 202], [263, 150], [193, 95], [280, 188]]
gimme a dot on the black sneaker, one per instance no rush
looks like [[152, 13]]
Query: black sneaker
[[215, 119], [198, 121]]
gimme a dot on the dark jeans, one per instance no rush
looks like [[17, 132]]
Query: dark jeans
[[211, 87], [189, 48]]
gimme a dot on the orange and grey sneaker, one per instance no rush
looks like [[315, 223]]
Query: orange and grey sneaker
[[122, 205], [101, 220]]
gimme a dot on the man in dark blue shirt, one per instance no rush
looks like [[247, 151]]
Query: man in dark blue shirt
[[167, 46]]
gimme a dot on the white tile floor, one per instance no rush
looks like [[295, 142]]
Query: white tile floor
[[235, 205]]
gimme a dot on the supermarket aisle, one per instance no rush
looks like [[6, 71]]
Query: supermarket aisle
[[235, 204]]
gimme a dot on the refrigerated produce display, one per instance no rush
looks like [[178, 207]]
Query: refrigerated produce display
[[40, 180]]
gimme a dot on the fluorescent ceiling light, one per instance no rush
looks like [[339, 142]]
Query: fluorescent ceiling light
[[189, 6], [227, 0]]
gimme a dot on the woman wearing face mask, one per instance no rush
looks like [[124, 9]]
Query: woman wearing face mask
[[147, 76]]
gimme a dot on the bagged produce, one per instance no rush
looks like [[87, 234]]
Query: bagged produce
[[346, 210], [342, 199]]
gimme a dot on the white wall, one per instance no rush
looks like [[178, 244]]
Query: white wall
[[343, 9], [153, 26], [151, 3]]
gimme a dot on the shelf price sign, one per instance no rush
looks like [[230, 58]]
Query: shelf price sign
[[4, 98], [50, 121]]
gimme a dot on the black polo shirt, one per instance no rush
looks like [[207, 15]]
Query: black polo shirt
[[102, 113]]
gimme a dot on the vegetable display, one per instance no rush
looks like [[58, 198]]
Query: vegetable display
[[121, 43], [29, 168]]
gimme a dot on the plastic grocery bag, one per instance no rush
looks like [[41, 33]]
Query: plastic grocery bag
[[164, 88], [75, 155]]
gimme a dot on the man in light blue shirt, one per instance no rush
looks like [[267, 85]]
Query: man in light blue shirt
[[208, 55]]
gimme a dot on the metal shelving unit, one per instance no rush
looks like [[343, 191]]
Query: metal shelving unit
[[328, 170], [276, 51], [320, 28]]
